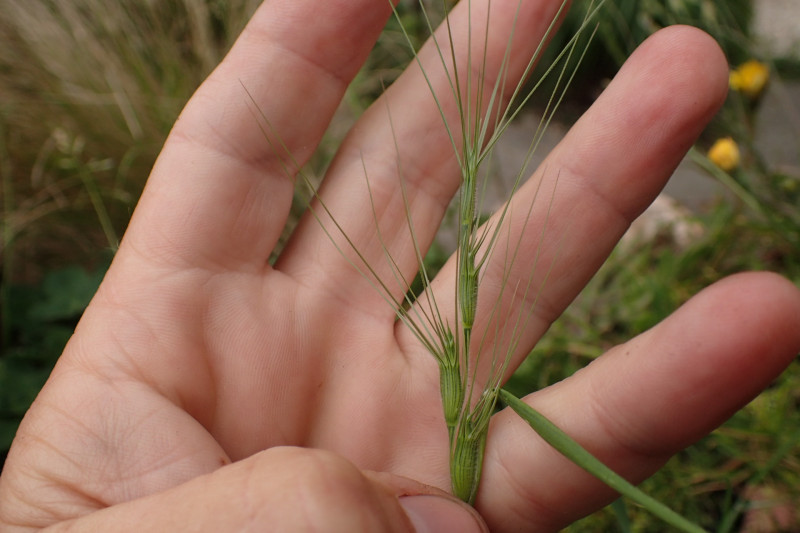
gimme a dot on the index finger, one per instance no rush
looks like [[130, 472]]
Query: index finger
[[219, 193]]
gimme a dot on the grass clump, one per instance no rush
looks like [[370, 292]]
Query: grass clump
[[90, 90]]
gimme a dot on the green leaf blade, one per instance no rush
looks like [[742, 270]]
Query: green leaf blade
[[581, 457]]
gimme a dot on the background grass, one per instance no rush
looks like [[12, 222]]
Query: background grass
[[90, 89]]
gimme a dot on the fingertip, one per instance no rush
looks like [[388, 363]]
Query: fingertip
[[652, 112], [766, 302], [690, 50], [706, 361], [684, 73], [644, 400]]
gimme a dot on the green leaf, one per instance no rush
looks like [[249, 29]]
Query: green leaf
[[66, 293], [581, 457]]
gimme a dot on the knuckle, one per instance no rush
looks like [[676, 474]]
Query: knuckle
[[327, 493]]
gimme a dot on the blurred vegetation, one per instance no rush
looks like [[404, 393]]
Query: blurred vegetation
[[90, 89], [625, 24]]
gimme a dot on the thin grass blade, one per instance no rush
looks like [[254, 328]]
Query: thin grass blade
[[581, 457]]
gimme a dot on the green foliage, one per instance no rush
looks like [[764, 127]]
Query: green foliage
[[631, 21], [770, 192]]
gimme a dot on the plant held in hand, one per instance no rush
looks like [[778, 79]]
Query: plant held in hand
[[474, 354]]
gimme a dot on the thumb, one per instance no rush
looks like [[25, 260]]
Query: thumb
[[441, 514], [289, 489], [430, 510]]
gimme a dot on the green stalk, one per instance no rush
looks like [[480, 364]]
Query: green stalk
[[466, 455], [99, 207], [726, 179], [732, 515], [468, 436], [581, 457]]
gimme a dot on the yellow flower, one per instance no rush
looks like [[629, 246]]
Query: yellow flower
[[725, 154], [749, 78]]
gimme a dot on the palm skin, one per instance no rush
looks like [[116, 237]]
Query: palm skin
[[196, 353]]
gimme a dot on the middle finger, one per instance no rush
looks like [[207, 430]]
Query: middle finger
[[397, 170]]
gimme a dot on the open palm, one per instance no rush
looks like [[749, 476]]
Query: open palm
[[196, 353]]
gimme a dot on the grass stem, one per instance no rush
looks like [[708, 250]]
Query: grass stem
[[100, 209]]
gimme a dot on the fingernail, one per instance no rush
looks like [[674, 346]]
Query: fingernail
[[437, 514]]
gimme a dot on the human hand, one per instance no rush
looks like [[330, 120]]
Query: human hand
[[202, 384]]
